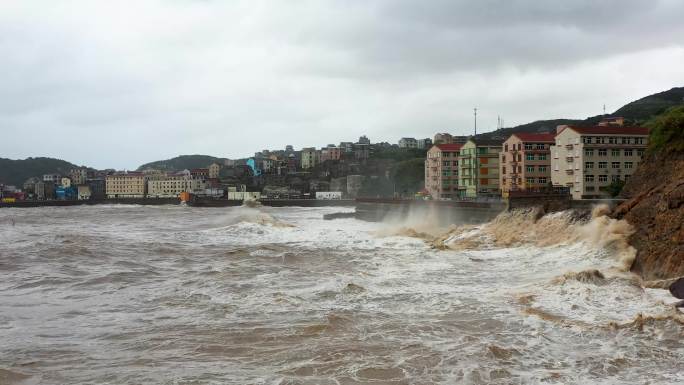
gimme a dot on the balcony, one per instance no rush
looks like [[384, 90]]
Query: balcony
[[569, 146], [569, 159], [569, 171]]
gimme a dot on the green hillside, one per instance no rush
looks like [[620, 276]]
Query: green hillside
[[16, 172], [182, 162]]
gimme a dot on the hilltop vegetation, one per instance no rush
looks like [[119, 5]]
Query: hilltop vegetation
[[16, 172], [182, 162], [636, 112]]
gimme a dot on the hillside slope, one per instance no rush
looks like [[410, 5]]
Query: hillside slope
[[182, 162], [656, 202], [16, 172], [635, 112]]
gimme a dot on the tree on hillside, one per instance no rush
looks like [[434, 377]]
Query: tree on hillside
[[667, 130]]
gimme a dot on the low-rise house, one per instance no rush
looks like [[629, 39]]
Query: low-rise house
[[441, 171], [526, 162], [84, 192], [588, 160]]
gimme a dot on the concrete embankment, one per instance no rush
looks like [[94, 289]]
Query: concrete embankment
[[121, 201], [442, 213]]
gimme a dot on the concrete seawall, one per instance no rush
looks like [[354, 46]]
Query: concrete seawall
[[441, 213]]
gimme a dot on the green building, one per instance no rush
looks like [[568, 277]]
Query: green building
[[479, 168]]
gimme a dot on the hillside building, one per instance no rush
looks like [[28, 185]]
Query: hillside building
[[525, 163], [408, 143], [441, 171], [310, 158], [588, 159]]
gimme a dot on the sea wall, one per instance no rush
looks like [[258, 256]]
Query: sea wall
[[442, 213]]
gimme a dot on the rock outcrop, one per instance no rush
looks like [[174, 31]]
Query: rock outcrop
[[655, 207]]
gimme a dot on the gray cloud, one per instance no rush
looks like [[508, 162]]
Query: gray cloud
[[116, 84]]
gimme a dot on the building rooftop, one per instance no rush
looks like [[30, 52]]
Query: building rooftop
[[535, 137], [449, 146], [487, 142], [609, 130]]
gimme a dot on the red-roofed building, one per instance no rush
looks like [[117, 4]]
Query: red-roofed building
[[525, 163], [441, 171], [589, 159]]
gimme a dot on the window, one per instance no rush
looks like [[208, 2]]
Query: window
[[589, 178], [540, 146], [586, 139], [602, 152], [528, 146], [541, 156], [529, 156], [603, 165], [542, 180], [615, 165], [615, 152], [541, 168], [588, 164], [612, 140], [506, 147], [628, 152], [446, 163], [530, 168], [603, 178], [503, 171], [529, 180], [614, 178], [628, 165], [640, 152], [588, 152]]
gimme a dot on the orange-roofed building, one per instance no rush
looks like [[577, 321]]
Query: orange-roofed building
[[441, 171], [525, 163]]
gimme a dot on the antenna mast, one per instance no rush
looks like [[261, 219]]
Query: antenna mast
[[475, 113]]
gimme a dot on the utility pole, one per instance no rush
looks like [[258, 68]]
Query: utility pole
[[475, 112], [604, 108]]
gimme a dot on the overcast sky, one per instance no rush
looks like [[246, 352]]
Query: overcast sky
[[120, 83]]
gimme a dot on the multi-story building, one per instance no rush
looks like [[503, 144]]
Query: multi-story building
[[126, 185], [309, 157], [200, 173], [589, 159], [424, 143], [214, 170], [173, 185], [78, 175], [408, 143], [441, 171], [479, 168], [445, 138], [525, 163], [363, 139], [347, 147], [331, 152], [52, 178]]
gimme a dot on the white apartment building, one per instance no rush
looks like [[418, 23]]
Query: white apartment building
[[408, 143], [173, 185], [589, 159]]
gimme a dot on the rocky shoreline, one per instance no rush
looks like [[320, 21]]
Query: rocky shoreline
[[655, 207]]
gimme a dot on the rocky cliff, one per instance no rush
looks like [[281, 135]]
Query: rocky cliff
[[655, 205]]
